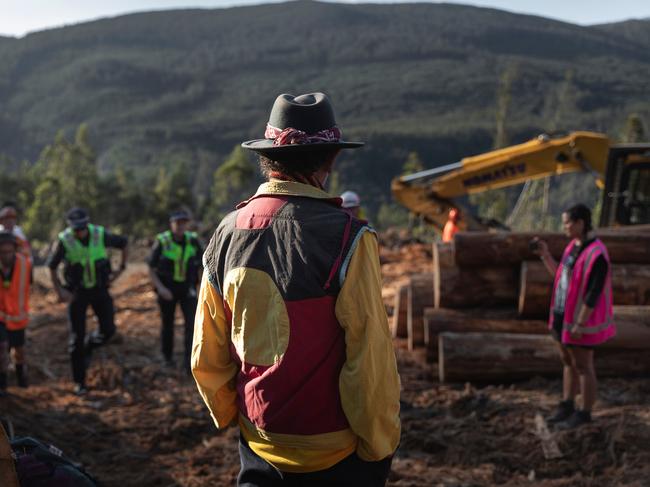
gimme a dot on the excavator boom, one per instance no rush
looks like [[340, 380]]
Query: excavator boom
[[431, 193]]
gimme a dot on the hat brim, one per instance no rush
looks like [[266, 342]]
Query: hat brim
[[78, 224], [265, 146]]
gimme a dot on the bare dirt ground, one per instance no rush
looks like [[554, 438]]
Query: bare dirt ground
[[145, 425]]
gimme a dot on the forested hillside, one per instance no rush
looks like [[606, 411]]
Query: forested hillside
[[162, 89]]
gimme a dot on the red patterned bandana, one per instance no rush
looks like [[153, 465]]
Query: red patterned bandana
[[291, 136]]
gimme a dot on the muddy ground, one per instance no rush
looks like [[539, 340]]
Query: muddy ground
[[145, 425]]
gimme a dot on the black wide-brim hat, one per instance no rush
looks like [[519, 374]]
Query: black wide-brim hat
[[312, 118]]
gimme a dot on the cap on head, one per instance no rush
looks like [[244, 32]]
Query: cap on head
[[77, 218], [300, 123], [8, 212], [350, 199], [7, 237], [179, 215]]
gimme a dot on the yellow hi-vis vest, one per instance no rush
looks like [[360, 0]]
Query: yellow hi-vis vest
[[87, 257], [178, 254]]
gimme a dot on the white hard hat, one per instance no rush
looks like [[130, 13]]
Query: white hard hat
[[350, 199]]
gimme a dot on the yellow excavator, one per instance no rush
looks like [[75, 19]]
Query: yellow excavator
[[622, 171]]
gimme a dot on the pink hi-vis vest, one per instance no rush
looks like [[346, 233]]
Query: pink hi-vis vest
[[599, 326]]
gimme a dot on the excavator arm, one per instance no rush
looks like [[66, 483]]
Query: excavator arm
[[432, 193]]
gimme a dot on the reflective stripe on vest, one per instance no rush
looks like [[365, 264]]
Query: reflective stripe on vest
[[178, 254], [86, 256], [15, 296]]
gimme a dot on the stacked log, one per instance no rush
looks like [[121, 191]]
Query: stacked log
[[491, 299], [419, 297], [477, 249], [478, 320], [467, 287], [630, 286], [498, 357], [400, 312]]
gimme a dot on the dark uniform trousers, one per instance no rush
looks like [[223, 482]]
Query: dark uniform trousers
[[188, 301], [80, 346]]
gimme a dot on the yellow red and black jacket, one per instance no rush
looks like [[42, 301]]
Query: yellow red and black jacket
[[291, 337]]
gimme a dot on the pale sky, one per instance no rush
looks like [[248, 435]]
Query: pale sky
[[18, 17]]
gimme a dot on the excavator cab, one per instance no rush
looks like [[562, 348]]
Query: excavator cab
[[626, 199]]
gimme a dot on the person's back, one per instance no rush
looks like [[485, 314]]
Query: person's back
[[291, 338], [280, 289]]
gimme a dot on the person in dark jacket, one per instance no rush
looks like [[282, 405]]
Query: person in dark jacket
[[175, 268], [83, 248]]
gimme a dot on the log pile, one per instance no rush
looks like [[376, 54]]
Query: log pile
[[630, 286], [482, 314]]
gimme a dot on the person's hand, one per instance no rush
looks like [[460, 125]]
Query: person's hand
[[539, 247], [64, 295], [575, 332], [165, 294]]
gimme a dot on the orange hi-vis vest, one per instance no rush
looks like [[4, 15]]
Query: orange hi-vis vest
[[14, 295], [449, 231]]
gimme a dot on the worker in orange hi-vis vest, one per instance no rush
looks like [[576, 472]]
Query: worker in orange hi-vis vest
[[451, 227], [14, 307], [9, 222]]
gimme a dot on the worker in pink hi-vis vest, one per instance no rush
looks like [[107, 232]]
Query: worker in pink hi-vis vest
[[581, 312]]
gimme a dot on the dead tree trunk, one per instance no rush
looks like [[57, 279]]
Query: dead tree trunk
[[456, 287], [400, 313], [474, 249], [476, 320], [504, 357], [630, 287]]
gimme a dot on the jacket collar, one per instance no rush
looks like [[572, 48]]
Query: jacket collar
[[276, 187]]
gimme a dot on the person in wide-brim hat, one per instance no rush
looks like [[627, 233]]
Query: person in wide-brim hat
[[290, 310]]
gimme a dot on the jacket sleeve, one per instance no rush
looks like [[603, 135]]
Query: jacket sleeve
[[213, 369], [369, 383]]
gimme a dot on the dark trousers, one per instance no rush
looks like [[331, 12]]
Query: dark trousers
[[79, 346], [349, 472], [187, 300]]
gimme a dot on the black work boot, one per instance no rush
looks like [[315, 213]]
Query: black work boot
[[3, 384], [578, 418], [21, 377], [563, 411]]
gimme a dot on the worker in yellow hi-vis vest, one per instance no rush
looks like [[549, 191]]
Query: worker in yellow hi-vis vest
[[82, 246], [175, 269]]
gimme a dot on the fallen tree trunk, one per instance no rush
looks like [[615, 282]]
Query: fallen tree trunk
[[504, 357], [400, 313], [479, 320], [476, 249], [535, 289], [456, 287], [632, 328], [420, 296], [630, 287], [632, 324]]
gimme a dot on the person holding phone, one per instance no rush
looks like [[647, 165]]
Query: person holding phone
[[581, 312]]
